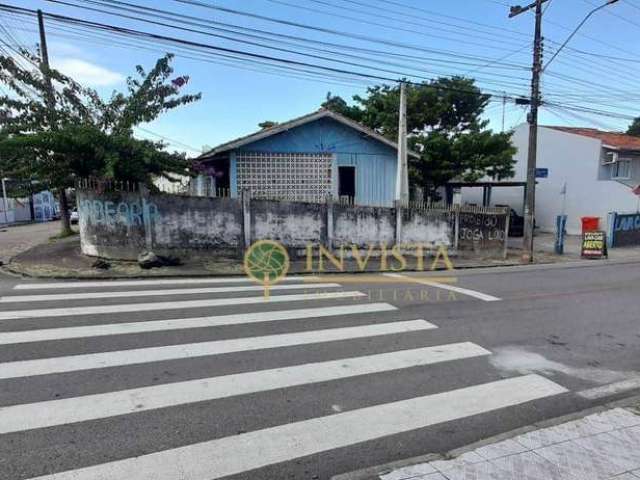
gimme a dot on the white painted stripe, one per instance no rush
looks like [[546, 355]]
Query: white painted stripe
[[7, 338], [152, 282], [241, 453], [610, 389], [444, 286], [147, 307], [156, 293], [90, 361], [91, 407]]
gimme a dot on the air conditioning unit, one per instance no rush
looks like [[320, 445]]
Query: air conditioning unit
[[610, 158]]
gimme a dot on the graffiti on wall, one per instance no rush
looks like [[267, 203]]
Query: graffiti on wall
[[480, 227], [626, 230], [126, 213]]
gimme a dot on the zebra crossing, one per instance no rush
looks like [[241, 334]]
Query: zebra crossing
[[309, 343]]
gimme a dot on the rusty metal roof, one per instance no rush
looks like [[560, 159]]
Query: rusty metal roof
[[615, 140]]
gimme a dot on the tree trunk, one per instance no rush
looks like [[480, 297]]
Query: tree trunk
[[65, 225], [32, 210]]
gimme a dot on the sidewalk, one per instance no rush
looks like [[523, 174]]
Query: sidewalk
[[33, 254], [17, 239], [545, 244], [604, 445], [63, 259]]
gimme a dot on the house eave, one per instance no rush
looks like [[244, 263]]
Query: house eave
[[257, 136]]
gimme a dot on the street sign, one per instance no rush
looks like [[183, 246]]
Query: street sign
[[542, 172], [594, 244]]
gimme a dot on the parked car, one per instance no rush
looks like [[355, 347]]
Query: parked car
[[74, 216], [516, 222]]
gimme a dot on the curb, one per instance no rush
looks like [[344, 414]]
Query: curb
[[373, 473], [9, 268]]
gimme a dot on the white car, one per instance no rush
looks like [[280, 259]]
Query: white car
[[74, 217]]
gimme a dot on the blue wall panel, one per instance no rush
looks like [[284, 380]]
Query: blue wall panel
[[375, 162]]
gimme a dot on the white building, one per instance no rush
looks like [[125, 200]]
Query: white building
[[597, 169]]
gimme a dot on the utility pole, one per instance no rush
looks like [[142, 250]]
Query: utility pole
[[530, 197], [44, 59], [402, 178], [51, 107], [504, 107]]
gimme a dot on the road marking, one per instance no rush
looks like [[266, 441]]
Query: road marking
[[155, 293], [141, 283], [45, 366], [247, 451], [464, 291], [611, 389], [147, 307], [91, 407], [43, 335]]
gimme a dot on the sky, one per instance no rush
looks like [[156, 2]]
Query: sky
[[416, 39]]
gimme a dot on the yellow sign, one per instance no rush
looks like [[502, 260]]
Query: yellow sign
[[266, 262]]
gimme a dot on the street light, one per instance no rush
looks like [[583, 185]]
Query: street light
[[584, 20]]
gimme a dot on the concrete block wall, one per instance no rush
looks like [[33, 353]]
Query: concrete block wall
[[363, 225], [121, 225]]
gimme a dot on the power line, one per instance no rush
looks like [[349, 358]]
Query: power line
[[312, 27], [236, 29], [438, 14], [376, 61], [252, 55], [170, 140], [386, 25]]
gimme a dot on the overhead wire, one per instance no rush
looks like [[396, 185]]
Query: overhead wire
[[253, 56], [314, 56], [284, 61]]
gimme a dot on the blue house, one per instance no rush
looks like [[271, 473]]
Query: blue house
[[308, 159]]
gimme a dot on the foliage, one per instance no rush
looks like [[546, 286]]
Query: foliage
[[634, 128], [84, 135], [339, 105], [267, 124], [88, 151], [444, 126]]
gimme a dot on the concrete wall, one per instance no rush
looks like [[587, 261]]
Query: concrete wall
[[121, 225], [426, 228], [571, 159], [364, 225], [293, 224]]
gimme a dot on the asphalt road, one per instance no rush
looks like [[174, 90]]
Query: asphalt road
[[163, 380]]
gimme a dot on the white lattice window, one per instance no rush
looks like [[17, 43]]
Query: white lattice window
[[287, 176]]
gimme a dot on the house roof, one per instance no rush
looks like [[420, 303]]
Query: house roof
[[616, 141], [296, 122]]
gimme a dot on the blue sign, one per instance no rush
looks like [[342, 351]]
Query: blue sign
[[542, 172], [626, 230]]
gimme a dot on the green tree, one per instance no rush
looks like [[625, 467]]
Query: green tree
[[634, 128], [444, 125], [57, 135], [339, 105], [267, 124]]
